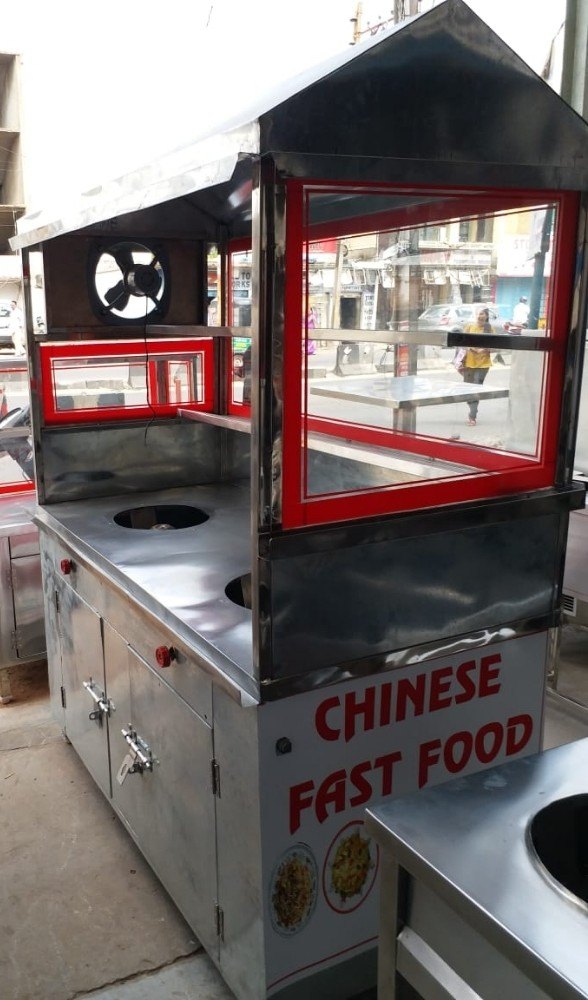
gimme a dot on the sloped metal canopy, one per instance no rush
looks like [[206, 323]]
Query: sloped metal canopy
[[438, 98]]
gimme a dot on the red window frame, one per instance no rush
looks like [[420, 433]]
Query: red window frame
[[151, 351], [234, 408], [496, 475]]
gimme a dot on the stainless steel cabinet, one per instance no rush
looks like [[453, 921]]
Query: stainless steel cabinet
[[22, 626], [83, 684], [145, 745], [161, 753]]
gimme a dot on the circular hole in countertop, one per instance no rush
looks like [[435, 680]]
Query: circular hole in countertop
[[160, 516]]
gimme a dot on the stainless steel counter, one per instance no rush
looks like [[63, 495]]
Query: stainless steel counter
[[180, 575], [467, 842], [16, 514]]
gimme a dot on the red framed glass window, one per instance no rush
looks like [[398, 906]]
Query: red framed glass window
[[125, 380], [379, 277]]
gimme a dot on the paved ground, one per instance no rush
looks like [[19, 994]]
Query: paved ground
[[81, 914]]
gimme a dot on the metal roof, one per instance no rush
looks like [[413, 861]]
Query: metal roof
[[439, 98]]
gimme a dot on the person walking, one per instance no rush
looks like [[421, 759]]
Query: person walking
[[477, 362], [16, 329]]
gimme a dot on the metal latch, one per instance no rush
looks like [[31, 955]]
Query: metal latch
[[142, 755], [104, 706]]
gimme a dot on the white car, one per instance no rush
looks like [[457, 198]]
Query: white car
[[454, 318]]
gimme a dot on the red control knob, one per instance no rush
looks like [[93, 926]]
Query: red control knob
[[164, 655], [66, 566]]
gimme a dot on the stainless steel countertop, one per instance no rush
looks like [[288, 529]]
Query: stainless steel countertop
[[466, 840], [16, 514], [179, 576]]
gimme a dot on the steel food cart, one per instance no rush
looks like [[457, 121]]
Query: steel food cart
[[262, 615]]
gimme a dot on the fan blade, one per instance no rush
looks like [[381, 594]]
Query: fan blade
[[117, 296], [123, 256]]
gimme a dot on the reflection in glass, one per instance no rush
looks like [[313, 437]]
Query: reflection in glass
[[387, 281], [16, 450], [103, 383]]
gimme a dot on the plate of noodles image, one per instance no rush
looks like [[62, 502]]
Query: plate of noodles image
[[293, 889], [350, 868]]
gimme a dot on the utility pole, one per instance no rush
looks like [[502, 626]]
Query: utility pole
[[574, 82], [405, 8], [356, 22]]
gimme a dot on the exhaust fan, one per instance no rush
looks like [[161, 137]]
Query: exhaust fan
[[128, 282]]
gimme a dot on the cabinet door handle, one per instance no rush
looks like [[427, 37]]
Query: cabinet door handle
[[104, 706], [142, 753]]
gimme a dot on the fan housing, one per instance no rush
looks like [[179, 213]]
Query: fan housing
[[129, 281]]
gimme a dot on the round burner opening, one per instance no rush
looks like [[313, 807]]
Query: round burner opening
[[239, 591], [160, 517], [559, 835]]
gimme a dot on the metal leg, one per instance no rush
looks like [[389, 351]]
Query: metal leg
[[391, 881], [5, 695]]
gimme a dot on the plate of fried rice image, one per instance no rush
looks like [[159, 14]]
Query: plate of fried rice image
[[350, 868], [293, 889]]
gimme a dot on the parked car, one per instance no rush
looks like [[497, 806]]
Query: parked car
[[451, 318], [5, 337]]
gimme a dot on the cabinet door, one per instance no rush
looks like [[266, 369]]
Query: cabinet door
[[82, 666], [170, 806], [28, 606]]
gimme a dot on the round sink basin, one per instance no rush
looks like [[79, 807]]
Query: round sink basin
[[239, 591], [160, 517], [559, 834]]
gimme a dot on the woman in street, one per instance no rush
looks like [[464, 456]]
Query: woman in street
[[476, 363]]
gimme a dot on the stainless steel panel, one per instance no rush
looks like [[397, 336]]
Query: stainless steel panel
[[236, 748], [101, 460], [410, 591], [8, 652], [48, 573], [170, 811], [28, 606], [24, 544], [80, 639]]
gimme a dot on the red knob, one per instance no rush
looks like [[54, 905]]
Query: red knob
[[164, 655], [66, 566]]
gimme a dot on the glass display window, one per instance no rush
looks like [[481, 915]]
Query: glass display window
[[430, 331], [125, 380], [16, 450]]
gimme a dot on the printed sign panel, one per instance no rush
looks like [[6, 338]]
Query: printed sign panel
[[327, 755]]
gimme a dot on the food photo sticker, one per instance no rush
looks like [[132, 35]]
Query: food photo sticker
[[293, 889], [350, 868]]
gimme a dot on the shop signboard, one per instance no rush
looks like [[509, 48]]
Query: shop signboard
[[329, 754]]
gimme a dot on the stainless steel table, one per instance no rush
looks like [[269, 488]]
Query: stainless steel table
[[467, 905], [403, 394]]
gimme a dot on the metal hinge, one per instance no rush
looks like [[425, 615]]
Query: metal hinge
[[219, 920], [215, 775], [63, 698]]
